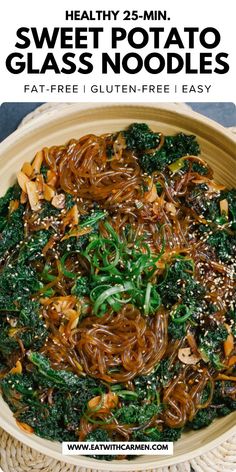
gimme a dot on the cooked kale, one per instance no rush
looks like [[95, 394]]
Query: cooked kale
[[199, 168], [224, 245], [7, 304], [81, 287], [173, 148], [222, 404], [62, 379], [12, 232], [73, 244], [32, 248], [34, 332], [100, 435], [222, 401], [146, 386], [216, 335], [165, 371], [203, 418], [48, 211], [139, 136], [137, 413], [179, 284], [58, 420], [92, 220], [231, 318], [19, 281], [18, 386], [13, 193], [4, 202], [210, 343], [171, 434], [79, 243], [154, 434], [28, 326], [8, 344], [222, 241], [198, 199], [176, 331]]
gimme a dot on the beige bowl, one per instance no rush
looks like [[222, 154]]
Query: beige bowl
[[218, 148]]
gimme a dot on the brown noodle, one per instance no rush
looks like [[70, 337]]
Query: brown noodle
[[117, 347], [127, 342]]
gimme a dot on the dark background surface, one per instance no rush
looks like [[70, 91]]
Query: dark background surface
[[11, 114]]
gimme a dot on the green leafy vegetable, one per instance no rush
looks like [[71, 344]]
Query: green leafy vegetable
[[154, 434], [137, 414], [12, 232], [140, 136], [179, 284], [32, 249], [19, 281], [224, 245], [81, 287], [173, 148]]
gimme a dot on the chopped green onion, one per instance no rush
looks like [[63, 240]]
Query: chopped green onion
[[91, 220], [66, 273], [46, 275], [176, 165], [129, 394], [111, 291], [181, 309], [147, 299]]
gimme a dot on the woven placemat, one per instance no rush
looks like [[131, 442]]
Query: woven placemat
[[17, 457]]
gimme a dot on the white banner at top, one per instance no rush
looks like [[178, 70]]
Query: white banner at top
[[129, 51]]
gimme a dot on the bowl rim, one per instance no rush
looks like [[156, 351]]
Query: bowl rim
[[39, 121], [21, 134], [115, 466]]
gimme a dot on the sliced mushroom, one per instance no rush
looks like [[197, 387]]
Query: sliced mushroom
[[224, 207], [158, 205], [33, 196], [58, 201], [22, 180], [186, 356], [37, 162], [23, 197], [51, 178], [170, 207], [73, 318], [72, 217], [48, 192], [61, 304], [40, 186], [27, 169]]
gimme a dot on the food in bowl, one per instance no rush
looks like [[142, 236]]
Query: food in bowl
[[117, 291]]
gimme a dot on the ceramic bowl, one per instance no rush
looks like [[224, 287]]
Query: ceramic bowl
[[218, 147]]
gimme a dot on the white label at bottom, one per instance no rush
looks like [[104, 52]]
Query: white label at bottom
[[117, 448]]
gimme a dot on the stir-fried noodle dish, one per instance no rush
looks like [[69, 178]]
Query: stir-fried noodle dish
[[117, 290]]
